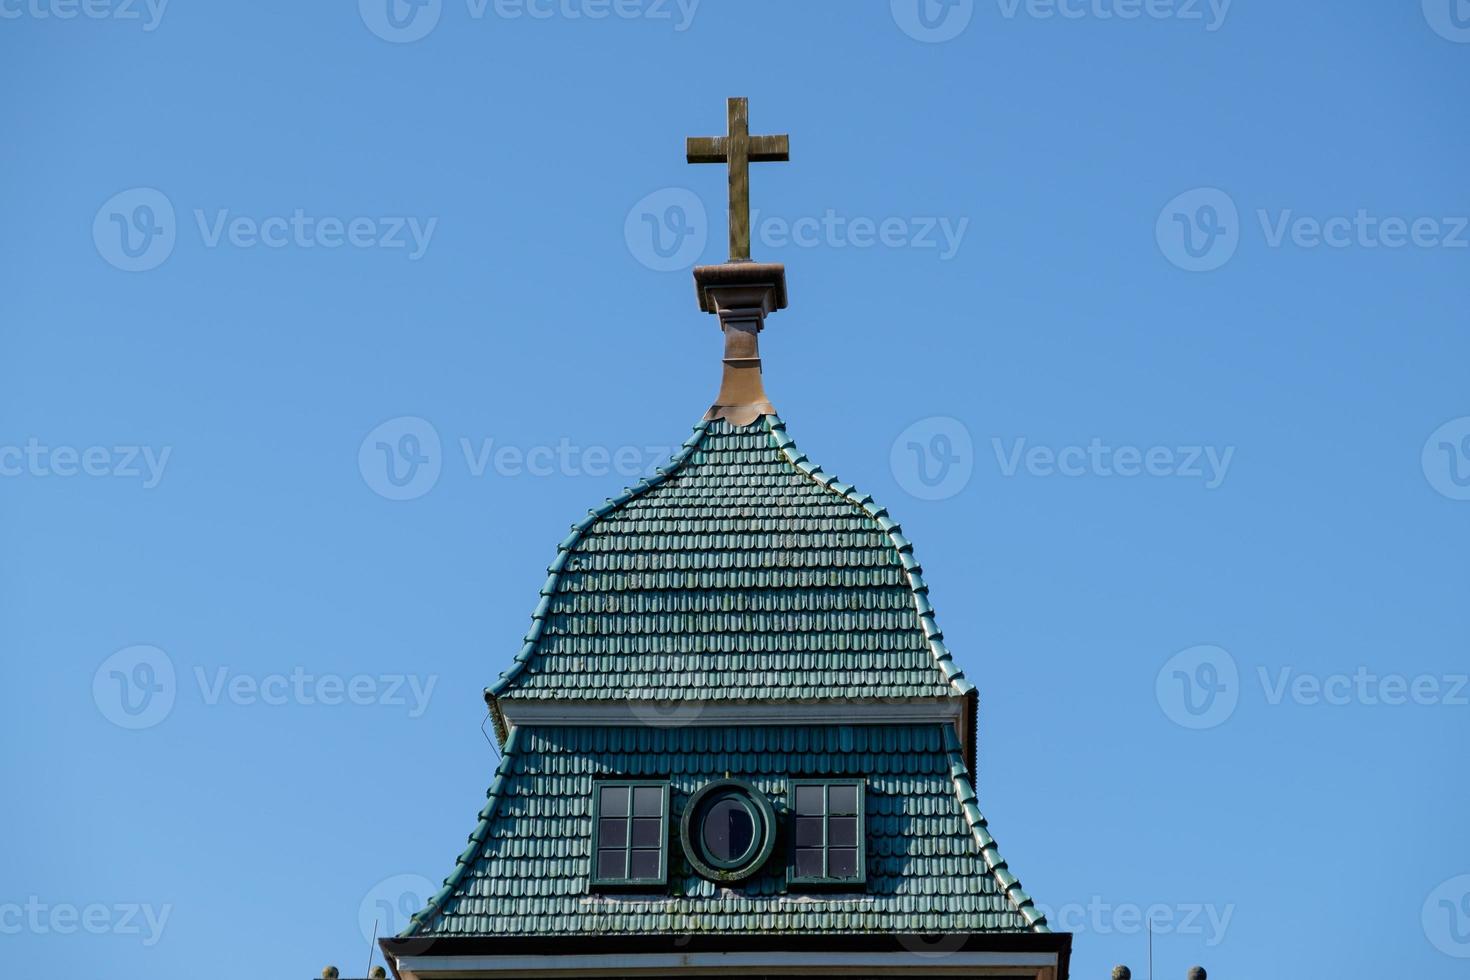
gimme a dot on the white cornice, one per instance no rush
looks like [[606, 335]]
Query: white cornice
[[918, 962]]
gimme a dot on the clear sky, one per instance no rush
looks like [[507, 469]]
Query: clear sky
[[1147, 319]]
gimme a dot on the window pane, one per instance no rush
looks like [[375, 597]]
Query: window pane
[[809, 800], [646, 831], [809, 862], [808, 831], [648, 801], [610, 864], [644, 865], [614, 801], [843, 831], [842, 862], [728, 830], [612, 832], [844, 799]]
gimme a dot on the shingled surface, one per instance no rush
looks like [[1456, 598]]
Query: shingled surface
[[932, 865], [740, 572]]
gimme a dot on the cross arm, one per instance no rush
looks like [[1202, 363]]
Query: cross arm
[[770, 149], [705, 149]]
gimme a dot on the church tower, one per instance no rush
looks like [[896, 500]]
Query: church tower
[[734, 740]]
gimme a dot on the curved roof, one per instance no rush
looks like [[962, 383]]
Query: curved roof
[[741, 571]]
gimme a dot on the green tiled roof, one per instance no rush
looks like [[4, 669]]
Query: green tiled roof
[[932, 865], [741, 571]]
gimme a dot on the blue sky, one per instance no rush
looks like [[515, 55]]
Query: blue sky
[[1147, 320]]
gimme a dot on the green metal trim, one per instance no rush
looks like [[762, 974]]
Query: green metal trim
[[420, 920], [989, 850], [765, 818], [597, 882], [564, 550], [792, 878], [943, 659]]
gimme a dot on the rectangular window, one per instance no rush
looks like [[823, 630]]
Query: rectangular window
[[827, 837], [630, 833]]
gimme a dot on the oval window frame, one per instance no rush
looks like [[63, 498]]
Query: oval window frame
[[691, 830]]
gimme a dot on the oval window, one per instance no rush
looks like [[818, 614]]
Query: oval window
[[728, 830]]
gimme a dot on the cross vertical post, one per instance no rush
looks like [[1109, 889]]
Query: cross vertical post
[[738, 149]]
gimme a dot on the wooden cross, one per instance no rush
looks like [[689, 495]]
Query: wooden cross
[[739, 149]]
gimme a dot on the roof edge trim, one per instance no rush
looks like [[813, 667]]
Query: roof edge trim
[[943, 659], [564, 550], [989, 850], [420, 920]]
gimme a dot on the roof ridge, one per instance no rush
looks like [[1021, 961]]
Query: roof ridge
[[563, 552], [989, 849], [421, 919], [891, 529]]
